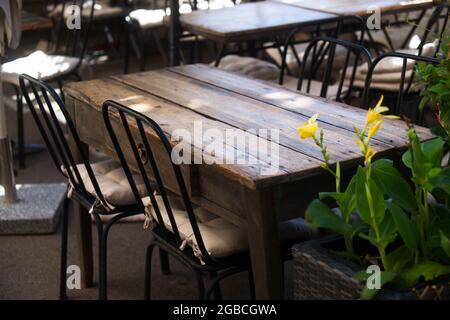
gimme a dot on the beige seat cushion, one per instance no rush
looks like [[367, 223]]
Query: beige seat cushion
[[315, 89], [250, 66], [112, 182], [221, 237], [39, 65]]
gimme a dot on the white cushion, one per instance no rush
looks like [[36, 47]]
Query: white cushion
[[148, 18], [221, 237], [113, 183], [39, 65], [252, 67]]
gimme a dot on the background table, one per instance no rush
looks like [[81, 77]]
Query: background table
[[31, 21], [178, 96], [250, 21], [359, 7]]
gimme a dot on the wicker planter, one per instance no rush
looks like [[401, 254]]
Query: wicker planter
[[322, 275]]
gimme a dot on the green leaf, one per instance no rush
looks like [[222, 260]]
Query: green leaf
[[392, 183], [387, 230], [428, 151], [369, 199], [442, 180], [399, 258], [320, 216], [385, 277], [427, 270], [404, 226], [445, 243]]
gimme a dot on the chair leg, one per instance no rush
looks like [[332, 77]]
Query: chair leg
[[148, 271], [200, 285], [217, 291], [251, 283], [164, 260], [104, 261], [99, 224], [20, 130], [63, 263]]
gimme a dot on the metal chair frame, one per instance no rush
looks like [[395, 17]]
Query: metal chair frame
[[404, 85], [167, 240], [62, 155]]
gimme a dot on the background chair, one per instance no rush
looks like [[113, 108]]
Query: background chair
[[101, 187], [400, 85], [323, 74], [199, 239], [67, 51]]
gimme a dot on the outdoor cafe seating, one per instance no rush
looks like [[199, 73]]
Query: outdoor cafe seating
[[265, 150]]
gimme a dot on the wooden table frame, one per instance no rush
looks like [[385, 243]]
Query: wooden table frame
[[235, 192]]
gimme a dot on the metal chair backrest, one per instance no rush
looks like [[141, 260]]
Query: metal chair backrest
[[70, 38], [405, 84], [340, 26], [44, 104], [355, 54], [119, 117]]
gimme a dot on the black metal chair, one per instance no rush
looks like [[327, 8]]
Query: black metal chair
[[401, 88], [340, 28], [178, 226], [323, 75], [67, 51], [89, 185]]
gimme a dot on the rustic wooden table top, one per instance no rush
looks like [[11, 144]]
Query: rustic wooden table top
[[250, 20], [178, 96], [31, 21], [359, 7]]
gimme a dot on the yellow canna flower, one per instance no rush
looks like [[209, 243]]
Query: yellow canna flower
[[369, 154], [374, 128], [308, 130], [375, 114]]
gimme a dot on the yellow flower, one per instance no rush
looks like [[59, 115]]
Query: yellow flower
[[374, 128], [375, 114], [360, 144], [308, 130], [369, 154]]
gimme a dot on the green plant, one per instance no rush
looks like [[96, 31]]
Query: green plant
[[407, 222], [436, 93]]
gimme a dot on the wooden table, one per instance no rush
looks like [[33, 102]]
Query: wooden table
[[249, 21], [359, 7], [31, 21], [177, 97]]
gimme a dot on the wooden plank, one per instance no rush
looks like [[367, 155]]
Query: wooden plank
[[250, 20], [172, 117], [246, 113], [331, 112], [359, 7], [31, 21]]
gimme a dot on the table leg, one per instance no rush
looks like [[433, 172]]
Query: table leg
[[83, 223], [264, 241]]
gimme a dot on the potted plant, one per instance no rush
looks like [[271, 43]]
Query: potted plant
[[392, 233]]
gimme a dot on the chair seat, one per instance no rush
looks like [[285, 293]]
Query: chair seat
[[148, 18], [315, 89], [221, 237], [154, 18], [252, 67], [113, 183], [39, 65]]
